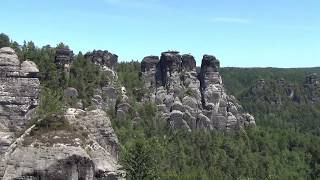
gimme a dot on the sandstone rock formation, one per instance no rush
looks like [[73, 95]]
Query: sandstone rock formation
[[103, 58], [19, 90], [109, 96], [312, 84], [191, 100], [106, 60], [86, 146], [19, 96], [105, 97], [89, 155]]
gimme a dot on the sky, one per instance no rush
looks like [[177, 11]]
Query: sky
[[240, 33]]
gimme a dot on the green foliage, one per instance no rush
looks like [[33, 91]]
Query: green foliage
[[128, 76], [4, 40], [51, 103], [238, 80], [284, 146], [86, 77], [138, 161], [49, 114]]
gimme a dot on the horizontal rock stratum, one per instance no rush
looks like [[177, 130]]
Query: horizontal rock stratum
[[19, 90]]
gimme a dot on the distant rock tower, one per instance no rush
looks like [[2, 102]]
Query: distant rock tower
[[190, 100], [63, 60], [312, 84], [106, 60]]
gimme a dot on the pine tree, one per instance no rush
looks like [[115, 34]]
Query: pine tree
[[138, 162]]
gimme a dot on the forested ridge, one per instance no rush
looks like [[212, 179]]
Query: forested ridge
[[285, 144]]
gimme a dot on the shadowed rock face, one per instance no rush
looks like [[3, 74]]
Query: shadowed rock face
[[210, 63], [149, 63], [103, 58], [169, 65], [188, 62], [190, 100], [170, 61], [59, 164], [19, 89], [209, 73]]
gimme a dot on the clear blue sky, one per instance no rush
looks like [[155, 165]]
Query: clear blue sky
[[242, 33]]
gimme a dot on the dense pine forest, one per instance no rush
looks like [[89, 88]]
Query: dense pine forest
[[285, 144]]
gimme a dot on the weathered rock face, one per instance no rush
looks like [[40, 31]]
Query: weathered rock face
[[190, 100], [148, 72], [103, 58], [60, 163], [89, 155], [110, 96], [19, 90], [105, 97], [170, 67], [89, 152]]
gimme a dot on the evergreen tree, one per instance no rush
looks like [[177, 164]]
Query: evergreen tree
[[4, 40], [138, 162]]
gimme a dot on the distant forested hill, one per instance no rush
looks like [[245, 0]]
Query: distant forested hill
[[237, 80]]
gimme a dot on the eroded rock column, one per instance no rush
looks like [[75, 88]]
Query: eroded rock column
[[19, 90]]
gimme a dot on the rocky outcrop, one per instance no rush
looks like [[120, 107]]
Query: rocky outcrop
[[190, 100], [88, 154], [312, 84], [85, 147], [19, 96], [105, 97], [148, 72], [281, 92], [19, 90], [59, 163], [103, 58], [63, 60], [110, 96]]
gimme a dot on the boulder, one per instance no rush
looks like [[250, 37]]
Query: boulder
[[71, 92], [203, 122], [8, 57], [29, 69], [176, 121]]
